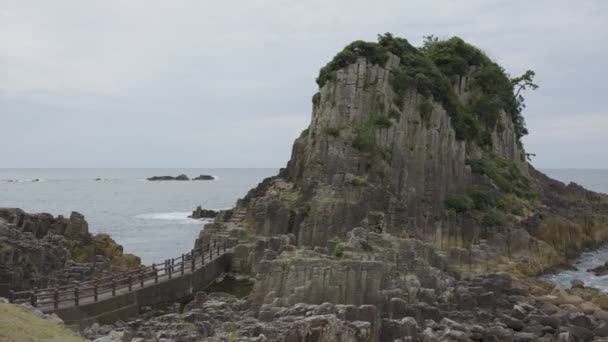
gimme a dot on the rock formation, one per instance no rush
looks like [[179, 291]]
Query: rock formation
[[39, 250], [402, 143], [410, 178], [200, 213], [204, 177], [169, 178]]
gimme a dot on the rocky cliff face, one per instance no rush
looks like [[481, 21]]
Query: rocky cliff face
[[39, 250], [410, 177], [400, 159]]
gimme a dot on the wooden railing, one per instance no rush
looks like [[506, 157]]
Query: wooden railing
[[74, 294]]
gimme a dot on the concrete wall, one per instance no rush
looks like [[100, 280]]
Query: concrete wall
[[128, 305]]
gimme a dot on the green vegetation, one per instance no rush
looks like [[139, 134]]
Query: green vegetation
[[504, 174], [16, 324], [359, 182], [338, 250], [372, 51], [365, 139], [460, 203], [493, 218], [425, 107], [432, 72], [382, 121], [332, 131], [481, 197], [289, 198]]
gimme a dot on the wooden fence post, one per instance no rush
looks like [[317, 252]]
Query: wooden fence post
[[130, 282], [141, 278], [193, 262], [11, 296], [113, 287], [33, 297], [210, 253], [155, 273], [95, 291], [56, 298], [76, 295], [224, 246], [182, 266]]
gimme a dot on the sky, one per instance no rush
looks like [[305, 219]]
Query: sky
[[197, 83]]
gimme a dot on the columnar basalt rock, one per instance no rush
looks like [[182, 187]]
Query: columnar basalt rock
[[39, 250], [391, 161]]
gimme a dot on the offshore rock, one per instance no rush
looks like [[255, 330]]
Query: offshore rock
[[169, 178], [204, 177], [199, 213]]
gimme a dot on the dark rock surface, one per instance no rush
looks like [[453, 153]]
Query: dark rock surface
[[204, 177], [39, 250], [199, 213], [169, 178], [601, 270]]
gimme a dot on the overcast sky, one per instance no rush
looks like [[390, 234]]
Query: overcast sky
[[150, 83]]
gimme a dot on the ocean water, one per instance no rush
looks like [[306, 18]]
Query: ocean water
[[596, 180], [148, 218]]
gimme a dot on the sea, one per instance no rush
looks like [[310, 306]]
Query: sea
[[150, 219]]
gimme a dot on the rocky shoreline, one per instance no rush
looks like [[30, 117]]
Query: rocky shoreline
[[39, 250]]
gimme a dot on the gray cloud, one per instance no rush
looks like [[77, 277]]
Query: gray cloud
[[228, 84]]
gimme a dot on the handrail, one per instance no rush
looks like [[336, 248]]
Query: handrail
[[122, 280]]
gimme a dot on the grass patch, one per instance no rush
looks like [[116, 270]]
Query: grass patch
[[18, 325], [359, 182], [338, 250], [504, 174]]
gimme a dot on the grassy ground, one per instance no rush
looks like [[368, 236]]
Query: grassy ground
[[18, 325]]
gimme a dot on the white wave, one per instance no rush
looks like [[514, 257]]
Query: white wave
[[215, 177], [177, 216], [35, 180]]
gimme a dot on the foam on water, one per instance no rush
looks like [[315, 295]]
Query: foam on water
[[180, 216], [587, 260]]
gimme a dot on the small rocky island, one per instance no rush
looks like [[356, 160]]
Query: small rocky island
[[181, 177], [204, 177]]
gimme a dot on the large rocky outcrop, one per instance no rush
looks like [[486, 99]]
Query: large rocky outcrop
[[388, 149], [39, 250]]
